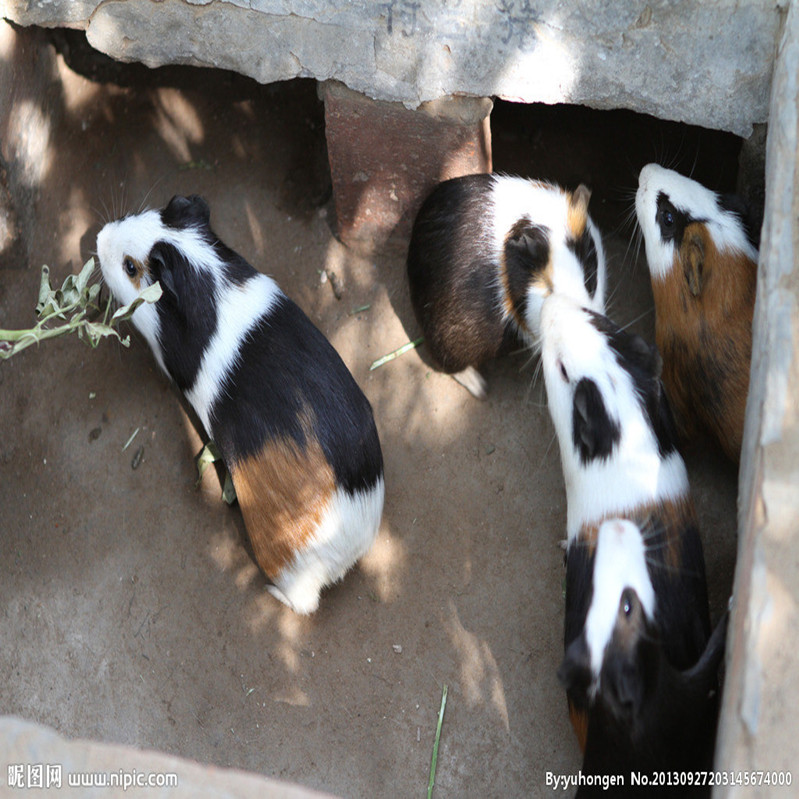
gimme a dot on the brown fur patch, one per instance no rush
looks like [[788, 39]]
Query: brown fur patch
[[672, 516], [141, 272], [283, 493], [579, 720], [703, 330]]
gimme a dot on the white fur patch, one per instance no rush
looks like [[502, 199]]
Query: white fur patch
[[634, 474], [134, 237], [239, 309], [344, 535], [546, 205], [620, 563], [693, 199]]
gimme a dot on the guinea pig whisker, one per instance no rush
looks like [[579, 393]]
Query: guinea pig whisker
[[152, 188], [546, 451], [638, 318], [669, 569]]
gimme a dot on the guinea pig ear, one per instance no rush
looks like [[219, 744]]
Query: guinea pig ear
[[706, 669], [186, 211], [578, 210], [693, 260], [594, 433], [161, 270], [529, 245]]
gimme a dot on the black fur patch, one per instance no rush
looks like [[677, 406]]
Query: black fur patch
[[452, 274], [575, 672], [585, 251], [642, 362], [594, 433], [526, 257], [183, 212], [735, 204], [671, 221], [186, 312], [681, 610], [289, 378]]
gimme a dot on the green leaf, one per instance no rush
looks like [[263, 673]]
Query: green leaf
[[82, 279], [228, 490], [208, 455], [45, 290], [150, 294]]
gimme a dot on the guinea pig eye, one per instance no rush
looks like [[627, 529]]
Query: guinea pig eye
[[668, 219], [129, 267], [626, 603], [563, 373]]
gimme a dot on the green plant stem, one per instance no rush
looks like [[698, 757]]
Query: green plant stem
[[434, 759]]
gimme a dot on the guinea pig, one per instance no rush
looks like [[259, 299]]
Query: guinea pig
[[484, 252], [618, 449], [294, 429], [646, 714], [703, 265]]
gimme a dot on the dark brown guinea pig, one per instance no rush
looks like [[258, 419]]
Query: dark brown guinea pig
[[485, 251], [703, 265]]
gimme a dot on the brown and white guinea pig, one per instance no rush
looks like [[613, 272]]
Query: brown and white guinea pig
[[618, 448], [293, 427], [703, 265], [485, 251], [646, 712]]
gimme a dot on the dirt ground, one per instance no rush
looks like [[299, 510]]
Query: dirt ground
[[132, 611]]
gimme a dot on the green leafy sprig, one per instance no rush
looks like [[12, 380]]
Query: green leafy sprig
[[74, 307]]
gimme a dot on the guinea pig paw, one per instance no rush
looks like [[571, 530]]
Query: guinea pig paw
[[472, 381]]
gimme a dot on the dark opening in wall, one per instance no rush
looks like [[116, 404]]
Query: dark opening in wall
[[571, 144]]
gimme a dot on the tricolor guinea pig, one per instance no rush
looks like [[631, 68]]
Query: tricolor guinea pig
[[485, 251], [294, 429], [646, 713], [618, 450], [703, 266]]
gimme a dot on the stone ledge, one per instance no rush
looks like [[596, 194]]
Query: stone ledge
[[761, 694], [704, 63]]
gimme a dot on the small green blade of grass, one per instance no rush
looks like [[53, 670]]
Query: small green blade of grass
[[396, 354], [434, 759]]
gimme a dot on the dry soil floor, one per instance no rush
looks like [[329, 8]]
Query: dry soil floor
[[131, 609]]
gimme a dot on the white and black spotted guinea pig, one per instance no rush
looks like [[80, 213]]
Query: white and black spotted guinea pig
[[703, 265], [618, 451], [485, 251], [645, 712], [294, 429]]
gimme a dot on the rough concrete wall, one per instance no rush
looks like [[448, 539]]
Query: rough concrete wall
[[758, 723], [705, 63]]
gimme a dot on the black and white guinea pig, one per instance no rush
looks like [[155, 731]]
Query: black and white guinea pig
[[485, 251], [703, 265], [644, 712], [618, 450], [293, 427]]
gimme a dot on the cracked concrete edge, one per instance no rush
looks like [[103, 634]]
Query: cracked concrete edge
[[32, 745], [758, 721], [637, 55]]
